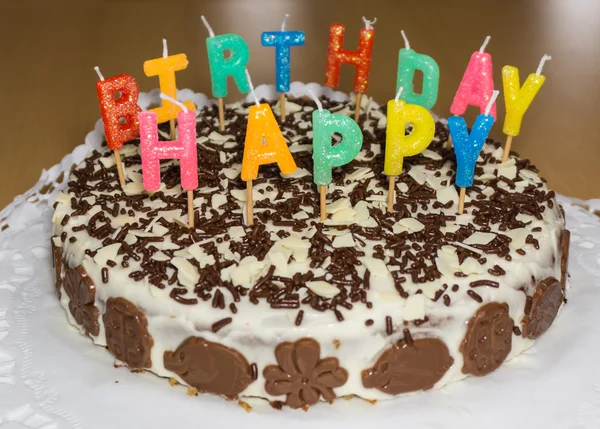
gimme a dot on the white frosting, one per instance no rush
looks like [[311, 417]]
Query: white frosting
[[256, 329]]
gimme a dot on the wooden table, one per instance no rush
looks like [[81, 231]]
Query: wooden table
[[49, 48]]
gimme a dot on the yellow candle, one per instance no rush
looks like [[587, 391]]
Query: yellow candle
[[165, 69], [516, 98], [398, 144]]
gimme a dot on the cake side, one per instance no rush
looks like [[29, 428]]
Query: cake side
[[367, 303]]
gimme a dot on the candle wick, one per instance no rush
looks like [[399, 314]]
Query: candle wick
[[491, 102], [252, 88], [485, 43], [406, 42], [211, 33], [542, 62], [285, 18], [174, 101], [99, 73], [369, 24], [316, 100], [398, 94], [165, 49]]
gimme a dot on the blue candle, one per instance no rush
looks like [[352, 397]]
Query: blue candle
[[468, 146], [282, 40]]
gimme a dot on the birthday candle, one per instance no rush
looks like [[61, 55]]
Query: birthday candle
[[234, 65], [468, 146], [361, 58], [264, 142], [477, 84], [410, 61], [399, 145], [184, 148], [119, 116], [518, 99], [282, 40], [165, 69], [325, 154]]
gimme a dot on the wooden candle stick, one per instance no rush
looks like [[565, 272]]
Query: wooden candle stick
[[282, 106], [190, 202], [221, 115], [249, 204], [507, 148], [391, 187], [323, 201], [461, 200], [119, 167], [357, 109]]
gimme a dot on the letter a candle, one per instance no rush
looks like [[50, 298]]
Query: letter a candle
[[468, 146], [517, 99], [165, 69], [183, 149], [264, 144], [325, 154], [221, 67], [119, 115], [398, 144], [361, 59], [282, 40]]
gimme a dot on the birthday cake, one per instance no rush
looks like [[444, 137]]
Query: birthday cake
[[367, 303]]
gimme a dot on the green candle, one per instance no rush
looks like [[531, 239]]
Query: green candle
[[410, 61]]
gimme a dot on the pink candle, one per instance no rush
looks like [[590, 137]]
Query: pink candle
[[183, 149], [477, 85]]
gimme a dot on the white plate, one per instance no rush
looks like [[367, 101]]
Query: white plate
[[52, 377]]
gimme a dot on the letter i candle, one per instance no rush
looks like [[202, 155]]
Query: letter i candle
[[468, 146], [221, 67], [325, 154], [361, 59], [517, 100], [119, 115], [264, 144], [165, 69], [282, 41], [184, 149]]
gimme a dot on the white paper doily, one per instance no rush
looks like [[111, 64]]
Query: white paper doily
[[51, 377]]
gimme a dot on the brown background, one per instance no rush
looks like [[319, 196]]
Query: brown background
[[47, 92]]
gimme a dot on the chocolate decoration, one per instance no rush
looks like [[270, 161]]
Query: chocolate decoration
[[408, 368], [488, 340], [547, 299], [564, 258], [127, 334], [302, 375], [210, 367], [57, 264], [81, 292]]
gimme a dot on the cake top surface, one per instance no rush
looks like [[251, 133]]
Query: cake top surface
[[420, 256]]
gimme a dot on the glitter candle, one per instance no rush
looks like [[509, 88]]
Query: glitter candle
[[119, 115], [264, 144], [360, 59], [282, 41], [165, 69], [398, 144], [477, 84], [409, 62], [468, 146], [233, 65], [184, 149], [518, 99], [326, 155]]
